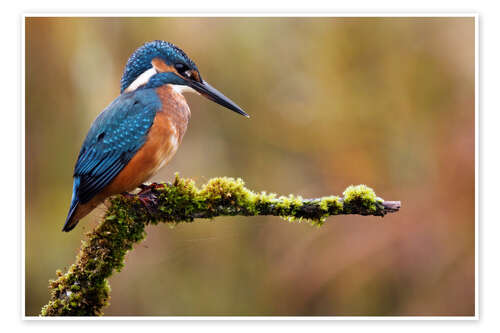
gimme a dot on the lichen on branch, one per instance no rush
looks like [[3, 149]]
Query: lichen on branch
[[84, 291]]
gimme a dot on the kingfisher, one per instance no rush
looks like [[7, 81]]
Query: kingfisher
[[140, 131]]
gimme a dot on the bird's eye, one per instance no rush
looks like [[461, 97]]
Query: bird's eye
[[181, 68], [187, 72]]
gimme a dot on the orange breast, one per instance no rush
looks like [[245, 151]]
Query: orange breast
[[162, 142]]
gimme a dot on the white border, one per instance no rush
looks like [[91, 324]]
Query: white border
[[22, 160], [249, 14]]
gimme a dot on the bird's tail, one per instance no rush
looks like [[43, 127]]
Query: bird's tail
[[71, 219]]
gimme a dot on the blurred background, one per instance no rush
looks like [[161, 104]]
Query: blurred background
[[388, 102]]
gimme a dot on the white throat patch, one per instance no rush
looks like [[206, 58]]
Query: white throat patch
[[182, 89]]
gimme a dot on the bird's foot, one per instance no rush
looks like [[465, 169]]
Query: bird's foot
[[149, 201], [147, 198], [150, 187]]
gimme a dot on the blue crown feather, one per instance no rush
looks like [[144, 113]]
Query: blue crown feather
[[140, 60]]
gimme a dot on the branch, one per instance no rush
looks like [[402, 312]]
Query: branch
[[84, 289]]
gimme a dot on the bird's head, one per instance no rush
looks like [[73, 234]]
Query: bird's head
[[158, 63]]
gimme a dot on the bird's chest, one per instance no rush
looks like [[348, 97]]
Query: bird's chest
[[174, 109], [169, 126]]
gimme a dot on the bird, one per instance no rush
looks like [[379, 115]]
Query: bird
[[141, 130]]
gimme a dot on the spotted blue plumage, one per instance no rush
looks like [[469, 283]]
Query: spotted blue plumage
[[114, 138], [140, 60]]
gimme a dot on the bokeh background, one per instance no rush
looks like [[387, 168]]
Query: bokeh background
[[388, 102]]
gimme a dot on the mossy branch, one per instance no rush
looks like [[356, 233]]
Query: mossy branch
[[84, 289]]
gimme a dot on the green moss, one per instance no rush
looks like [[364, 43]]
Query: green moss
[[179, 201], [333, 205], [288, 207], [289, 204], [361, 195], [230, 193], [265, 197], [84, 289]]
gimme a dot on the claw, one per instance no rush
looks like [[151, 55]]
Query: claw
[[149, 200], [148, 188], [157, 186], [146, 196]]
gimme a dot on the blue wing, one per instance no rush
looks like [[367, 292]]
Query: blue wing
[[114, 138]]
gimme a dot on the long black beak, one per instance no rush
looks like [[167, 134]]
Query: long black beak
[[214, 95]]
